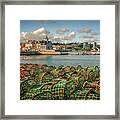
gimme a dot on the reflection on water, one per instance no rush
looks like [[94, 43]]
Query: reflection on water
[[67, 60]]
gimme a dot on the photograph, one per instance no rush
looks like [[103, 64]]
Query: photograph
[[59, 59]]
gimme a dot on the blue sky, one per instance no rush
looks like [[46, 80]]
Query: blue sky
[[79, 27]]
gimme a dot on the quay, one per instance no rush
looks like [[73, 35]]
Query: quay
[[53, 52]]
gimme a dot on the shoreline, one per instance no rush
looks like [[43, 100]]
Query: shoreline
[[77, 53], [52, 52]]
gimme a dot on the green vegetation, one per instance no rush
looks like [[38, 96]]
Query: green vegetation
[[42, 82]]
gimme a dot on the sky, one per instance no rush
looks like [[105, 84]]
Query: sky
[[61, 30]]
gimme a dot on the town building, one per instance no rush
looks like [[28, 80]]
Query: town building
[[94, 45], [86, 45], [49, 45]]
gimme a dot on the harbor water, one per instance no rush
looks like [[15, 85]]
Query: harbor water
[[66, 60]]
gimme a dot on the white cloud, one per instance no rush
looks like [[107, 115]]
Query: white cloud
[[41, 31], [70, 36], [94, 33], [88, 39], [86, 30], [38, 34], [62, 30], [88, 36], [23, 34], [50, 36]]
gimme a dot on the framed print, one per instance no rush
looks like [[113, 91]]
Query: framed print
[[59, 59]]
